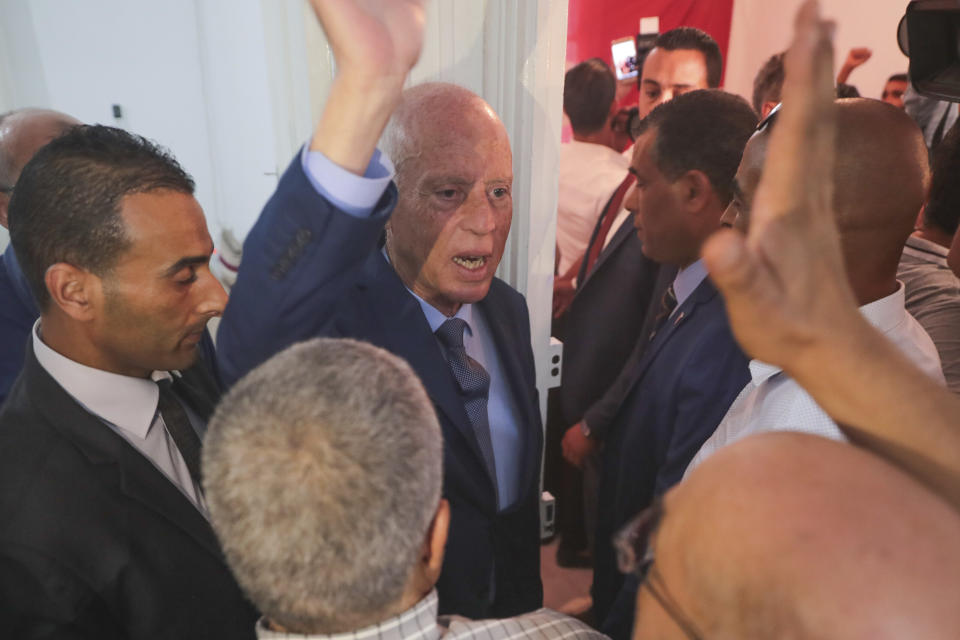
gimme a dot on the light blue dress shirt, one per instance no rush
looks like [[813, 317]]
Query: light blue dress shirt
[[687, 281], [356, 196]]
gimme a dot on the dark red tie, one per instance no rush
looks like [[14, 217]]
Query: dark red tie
[[608, 216]]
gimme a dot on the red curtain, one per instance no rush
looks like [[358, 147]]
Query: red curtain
[[592, 24]]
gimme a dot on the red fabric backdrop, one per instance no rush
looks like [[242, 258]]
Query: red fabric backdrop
[[592, 24]]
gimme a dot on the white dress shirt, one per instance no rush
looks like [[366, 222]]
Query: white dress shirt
[[128, 406], [588, 175], [772, 401]]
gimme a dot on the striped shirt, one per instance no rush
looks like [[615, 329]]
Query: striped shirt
[[421, 622]]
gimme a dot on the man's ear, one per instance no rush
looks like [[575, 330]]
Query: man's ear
[[436, 540], [4, 206], [696, 191], [73, 289]]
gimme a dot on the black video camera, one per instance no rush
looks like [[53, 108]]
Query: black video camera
[[929, 34]]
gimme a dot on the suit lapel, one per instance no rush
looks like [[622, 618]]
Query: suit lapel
[[621, 235], [492, 307], [704, 292], [138, 479], [405, 332]]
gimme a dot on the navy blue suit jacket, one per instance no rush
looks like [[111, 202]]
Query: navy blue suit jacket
[[683, 385], [311, 270], [18, 312]]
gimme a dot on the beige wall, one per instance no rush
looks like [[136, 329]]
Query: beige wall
[[761, 28]]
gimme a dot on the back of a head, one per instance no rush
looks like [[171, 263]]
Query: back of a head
[[21, 131], [322, 470], [792, 535], [768, 82], [589, 89], [702, 130], [695, 39], [881, 172], [66, 207], [943, 204]]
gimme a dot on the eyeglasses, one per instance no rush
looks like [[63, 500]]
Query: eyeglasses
[[770, 118], [635, 555]]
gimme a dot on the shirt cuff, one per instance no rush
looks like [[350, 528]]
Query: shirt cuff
[[354, 195]]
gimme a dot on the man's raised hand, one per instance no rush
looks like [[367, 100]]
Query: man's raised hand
[[375, 44], [374, 39], [785, 283]]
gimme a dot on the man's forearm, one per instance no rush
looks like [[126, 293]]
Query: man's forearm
[[883, 403], [355, 115]]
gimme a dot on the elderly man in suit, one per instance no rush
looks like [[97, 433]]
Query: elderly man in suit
[[323, 471], [103, 523], [684, 161], [339, 250]]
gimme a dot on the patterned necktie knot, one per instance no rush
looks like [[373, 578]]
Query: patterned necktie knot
[[667, 304], [451, 333]]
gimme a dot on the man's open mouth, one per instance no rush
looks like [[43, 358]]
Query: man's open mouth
[[470, 262]]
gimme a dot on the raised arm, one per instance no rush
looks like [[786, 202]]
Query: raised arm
[[375, 44], [328, 212], [788, 297]]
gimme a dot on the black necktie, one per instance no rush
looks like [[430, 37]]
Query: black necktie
[[474, 382], [179, 427], [667, 304]]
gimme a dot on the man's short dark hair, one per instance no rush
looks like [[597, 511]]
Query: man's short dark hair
[[768, 83], [588, 92], [943, 205], [703, 130], [899, 77], [66, 207], [693, 38]]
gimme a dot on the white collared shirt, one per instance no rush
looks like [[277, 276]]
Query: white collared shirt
[[127, 405], [772, 401]]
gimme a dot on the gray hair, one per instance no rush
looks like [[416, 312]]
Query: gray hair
[[322, 471]]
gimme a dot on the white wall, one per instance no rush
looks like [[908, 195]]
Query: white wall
[[191, 75], [761, 28]]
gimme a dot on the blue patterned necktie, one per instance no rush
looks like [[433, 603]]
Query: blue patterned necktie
[[474, 383]]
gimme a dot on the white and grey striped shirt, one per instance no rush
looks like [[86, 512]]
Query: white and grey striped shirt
[[421, 622]]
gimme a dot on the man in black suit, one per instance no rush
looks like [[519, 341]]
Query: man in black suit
[[340, 251], [103, 524]]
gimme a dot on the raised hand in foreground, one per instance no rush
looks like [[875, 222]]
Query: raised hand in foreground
[[789, 301]]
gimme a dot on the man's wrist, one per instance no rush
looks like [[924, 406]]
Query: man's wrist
[[585, 430]]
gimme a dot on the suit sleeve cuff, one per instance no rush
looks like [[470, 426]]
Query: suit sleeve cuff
[[354, 195]]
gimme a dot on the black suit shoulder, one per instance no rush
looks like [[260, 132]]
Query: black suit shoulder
[[94, 540]]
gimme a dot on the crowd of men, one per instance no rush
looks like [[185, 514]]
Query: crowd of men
[[359, 456]]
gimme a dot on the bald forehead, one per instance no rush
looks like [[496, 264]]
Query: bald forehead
[[22, 133], [436, 106]]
